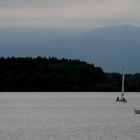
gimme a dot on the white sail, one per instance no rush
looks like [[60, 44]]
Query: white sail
[[122, 99], [122, 93]]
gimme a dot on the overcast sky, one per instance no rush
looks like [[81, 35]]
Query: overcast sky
[[69, 13]]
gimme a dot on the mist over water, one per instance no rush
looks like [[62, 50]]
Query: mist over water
[[65, 116]]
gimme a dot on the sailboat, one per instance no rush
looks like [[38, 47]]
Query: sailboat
[[122, 99], [137, 111]]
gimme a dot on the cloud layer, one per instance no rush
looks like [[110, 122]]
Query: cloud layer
[[68, 13]]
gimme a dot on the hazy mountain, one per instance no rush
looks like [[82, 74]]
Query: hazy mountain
[[27, 41], [108, 47]]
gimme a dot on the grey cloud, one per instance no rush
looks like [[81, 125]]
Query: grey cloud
[[69, 12], [13, 3]]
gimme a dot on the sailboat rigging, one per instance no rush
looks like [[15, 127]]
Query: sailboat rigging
[[122, 99]]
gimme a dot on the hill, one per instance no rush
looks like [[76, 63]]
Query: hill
[[53, 74], [108, 47]]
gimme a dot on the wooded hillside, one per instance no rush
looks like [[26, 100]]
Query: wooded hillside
[[52, 74]]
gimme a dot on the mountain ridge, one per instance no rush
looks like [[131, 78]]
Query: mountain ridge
[[109, 47]]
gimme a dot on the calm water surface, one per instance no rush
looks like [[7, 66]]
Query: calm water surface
[[68, 116]]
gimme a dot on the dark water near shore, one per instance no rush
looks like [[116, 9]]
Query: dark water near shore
[[68, 116]]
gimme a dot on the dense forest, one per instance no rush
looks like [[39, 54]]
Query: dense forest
[[53, 74]]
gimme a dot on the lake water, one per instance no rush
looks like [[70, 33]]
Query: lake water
[[68, 116]]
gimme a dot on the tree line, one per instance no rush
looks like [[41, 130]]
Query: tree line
[[53, 74]]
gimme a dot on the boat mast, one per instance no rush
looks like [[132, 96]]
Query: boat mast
[[122, 93]]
